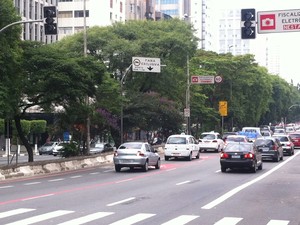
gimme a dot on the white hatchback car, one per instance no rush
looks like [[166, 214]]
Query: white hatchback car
[[181, 146], [211, 141]]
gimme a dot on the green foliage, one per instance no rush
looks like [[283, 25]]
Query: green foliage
[[38, 126], [70, 150]]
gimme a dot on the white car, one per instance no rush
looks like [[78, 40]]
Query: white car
[[211, 141], [181, 146]]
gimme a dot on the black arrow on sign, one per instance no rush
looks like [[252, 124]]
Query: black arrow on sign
[[150, 68]]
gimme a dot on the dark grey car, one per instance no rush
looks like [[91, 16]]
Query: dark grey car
[[271, 148], [136, 154], [238, 155]]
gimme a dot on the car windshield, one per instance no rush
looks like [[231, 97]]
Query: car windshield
[[238, 148], [208, 136], [131, 146], [176, 140]]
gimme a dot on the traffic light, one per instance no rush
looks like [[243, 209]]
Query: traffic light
[[248, 23], [50, 25]]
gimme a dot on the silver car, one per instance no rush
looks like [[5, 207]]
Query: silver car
[[47, 148], [136, 154]]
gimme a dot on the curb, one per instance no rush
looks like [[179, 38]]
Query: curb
[[46, 167]]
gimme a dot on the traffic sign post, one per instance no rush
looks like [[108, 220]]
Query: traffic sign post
[[202, 79], [142, 64], [278, 21], [223, 108]]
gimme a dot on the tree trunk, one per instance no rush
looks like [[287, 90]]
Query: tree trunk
[[23, 139]]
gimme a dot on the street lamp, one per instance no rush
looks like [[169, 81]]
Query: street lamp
[[122, 116], [187, 98]]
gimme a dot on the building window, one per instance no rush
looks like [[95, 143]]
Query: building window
[[65, 14], [121, 7], [79, 13], [65, 0], [65, 30], [111, 4]]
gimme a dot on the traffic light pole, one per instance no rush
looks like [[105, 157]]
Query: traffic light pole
[[19, 22]]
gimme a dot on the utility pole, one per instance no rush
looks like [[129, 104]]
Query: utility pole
[[19, 22]]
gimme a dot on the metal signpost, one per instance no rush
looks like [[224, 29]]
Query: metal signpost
[[278, 21]]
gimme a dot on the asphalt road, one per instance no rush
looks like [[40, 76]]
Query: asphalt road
[[181, 192]]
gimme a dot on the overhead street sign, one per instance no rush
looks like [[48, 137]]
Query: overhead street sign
[[278, 21], [142, 64], [202, 79]]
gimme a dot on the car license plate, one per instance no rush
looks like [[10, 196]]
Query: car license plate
[[175, 154], [235, 156], [126, 161], [265, 149]]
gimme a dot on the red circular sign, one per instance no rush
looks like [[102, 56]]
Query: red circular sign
[[218, 79]]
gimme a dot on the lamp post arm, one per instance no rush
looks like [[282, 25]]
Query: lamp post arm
[[19, 22]]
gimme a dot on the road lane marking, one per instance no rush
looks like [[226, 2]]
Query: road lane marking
[[184, 182], [171, 169], [278, 222], [229, 194], [87, 218], [32, 183], [133, 219], [73, 177], [54, 180], [6, 187], [94, 173], [180, 220], [14, 212], [218, 171], [106, 171], [41, 217], [228, 221], [120, 202], [36, 197], [121, 181]]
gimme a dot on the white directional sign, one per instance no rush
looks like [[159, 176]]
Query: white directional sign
[[142, 64], [278, 21]]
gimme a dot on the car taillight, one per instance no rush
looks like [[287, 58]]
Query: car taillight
[[214, 141], [274, 147], [288, 144], [139, 153], [249, 156], [224, 155]]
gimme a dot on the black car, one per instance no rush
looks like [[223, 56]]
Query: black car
[[271, 148], [239, 155]]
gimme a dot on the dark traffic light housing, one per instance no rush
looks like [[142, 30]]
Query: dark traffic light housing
[[50, 25], [248, 24]]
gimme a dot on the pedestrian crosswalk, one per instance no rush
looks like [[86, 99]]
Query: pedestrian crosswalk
[[26, 216]]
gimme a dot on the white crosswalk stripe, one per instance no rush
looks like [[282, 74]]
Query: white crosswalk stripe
[[14, 212], [96, 217], [41, 217], [87, 218], [181, 220], [133, 219], [228, 221]]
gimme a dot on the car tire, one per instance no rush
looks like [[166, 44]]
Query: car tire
[[276, 159], [223, 169], [260, 166], [117, 168], [189, 158], [167, 158], [254, 168], [146, 166], [198, 155], [157, 166]]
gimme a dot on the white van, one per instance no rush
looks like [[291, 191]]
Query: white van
[[181, 146]]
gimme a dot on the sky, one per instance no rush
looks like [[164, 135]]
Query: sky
[[288, 42]]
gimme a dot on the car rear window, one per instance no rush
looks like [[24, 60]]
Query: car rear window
[[131, 146], [283, 139], [295, 135], [266, 142], [176, 140], [208, 136], [238, 147], [236, 139]]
